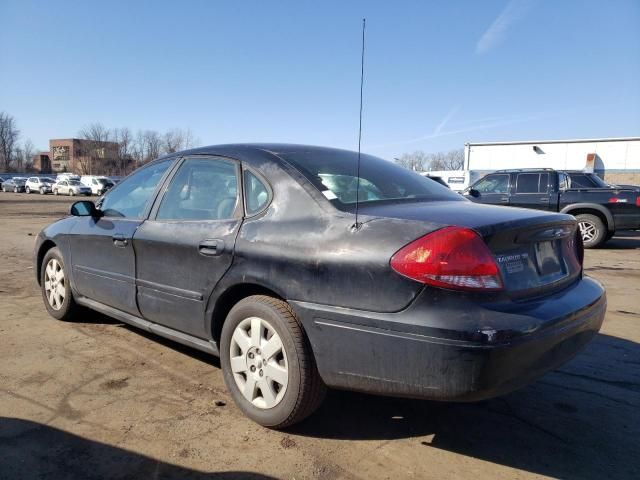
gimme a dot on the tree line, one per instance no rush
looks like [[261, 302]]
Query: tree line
[[127, 151], [422, 161]]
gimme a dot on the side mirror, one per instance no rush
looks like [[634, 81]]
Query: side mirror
[[474, 193], [84, 208]]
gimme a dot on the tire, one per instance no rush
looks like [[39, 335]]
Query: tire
[[42, 192], [57, 297], [71, 193], [287, 403], [15, 189], [27, 190], [594, 232]]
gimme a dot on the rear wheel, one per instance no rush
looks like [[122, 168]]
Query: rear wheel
[[55, 191], [268, 364], [15, 189], [56, 291], [593, 230]]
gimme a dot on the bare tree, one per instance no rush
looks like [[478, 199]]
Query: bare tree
[[9, 135], [28, 152], [125, 154], [451, 160], [93, 158], [413, 161]]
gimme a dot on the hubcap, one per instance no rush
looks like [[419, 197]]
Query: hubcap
[[259, 362], [54, 284], [588, 231]]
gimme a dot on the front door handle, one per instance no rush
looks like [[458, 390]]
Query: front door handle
[[211, 247], [119, 240], [504, 199]]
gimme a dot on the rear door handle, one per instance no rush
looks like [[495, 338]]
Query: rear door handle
[[119, 240], [211, 247]]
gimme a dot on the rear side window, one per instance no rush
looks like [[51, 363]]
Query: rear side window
[[532, 183], [256, 193], [494, 183], [580, 180], [202, 189]]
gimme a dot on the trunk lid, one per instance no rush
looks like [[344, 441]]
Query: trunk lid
[[535, 251]]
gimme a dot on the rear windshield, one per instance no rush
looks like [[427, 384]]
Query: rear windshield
[[334, 173]]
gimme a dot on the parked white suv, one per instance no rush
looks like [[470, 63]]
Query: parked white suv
[[98, 184], [39, 184]]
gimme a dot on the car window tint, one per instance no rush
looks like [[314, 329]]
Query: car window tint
[[580, 180], [496, 183], [334, 174], [528, 183], [131, 196], [256, 193], [202, 189]]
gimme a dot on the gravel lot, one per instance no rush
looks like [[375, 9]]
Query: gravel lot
[[98, 399]]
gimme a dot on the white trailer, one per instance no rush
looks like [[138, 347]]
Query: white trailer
[[617, 160]]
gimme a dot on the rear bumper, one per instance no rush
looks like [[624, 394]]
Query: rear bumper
[[455, 349]]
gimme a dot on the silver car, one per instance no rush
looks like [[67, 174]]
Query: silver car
[[71, 188]]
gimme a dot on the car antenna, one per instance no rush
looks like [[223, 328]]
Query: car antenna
[[356, 226]]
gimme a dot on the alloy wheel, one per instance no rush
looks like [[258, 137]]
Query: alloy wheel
[[259, 362], [588, 231], [54, 284]]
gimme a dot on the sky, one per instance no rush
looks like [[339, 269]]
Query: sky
[[437, 74]]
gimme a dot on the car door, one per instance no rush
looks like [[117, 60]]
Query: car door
[[187, 244], [102, 254], [492, 189], [532, 190], [62, 188]]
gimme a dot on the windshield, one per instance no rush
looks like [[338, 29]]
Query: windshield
[[74, 182], [104, 181], [48, 180], [333, 172]]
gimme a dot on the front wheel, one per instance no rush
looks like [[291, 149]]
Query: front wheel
[[15, 189], [592, 229], [268, 364], [42, 192], [27, 190], [56, 291], [71, 193]]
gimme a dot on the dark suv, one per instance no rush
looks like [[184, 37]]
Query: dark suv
[[600, 209]]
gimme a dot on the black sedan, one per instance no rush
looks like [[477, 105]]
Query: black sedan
[[255, 253], [14, 184]]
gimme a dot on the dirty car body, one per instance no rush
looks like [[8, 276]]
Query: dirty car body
[[370, 324]]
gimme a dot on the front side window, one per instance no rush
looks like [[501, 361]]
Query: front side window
[[497, 183], [256, 193], [130, 198], [202, 189]]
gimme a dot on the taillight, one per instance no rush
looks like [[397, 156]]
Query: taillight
[[637, 201], [453, 257]]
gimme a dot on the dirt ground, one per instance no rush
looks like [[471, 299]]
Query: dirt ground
[[99, 399]]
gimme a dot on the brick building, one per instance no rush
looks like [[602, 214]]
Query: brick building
[[83, 157]]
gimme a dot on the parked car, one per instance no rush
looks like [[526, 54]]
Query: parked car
[[39, 184], [273, 258], [70, 187], [438, 179], [98, 184], [600, 211], [14, 184]]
